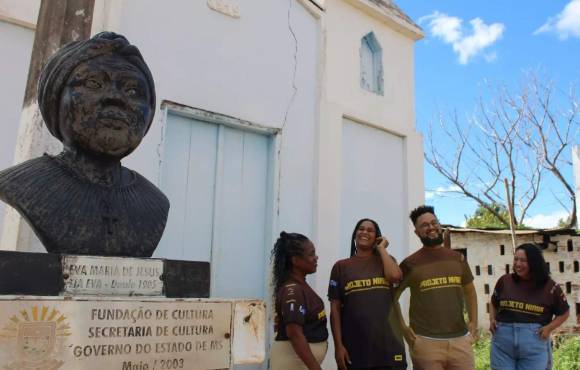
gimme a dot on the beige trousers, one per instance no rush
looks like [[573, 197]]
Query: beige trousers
[[283, 357], [443, 354]]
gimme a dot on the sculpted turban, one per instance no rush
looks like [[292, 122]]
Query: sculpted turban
[[56, 73]]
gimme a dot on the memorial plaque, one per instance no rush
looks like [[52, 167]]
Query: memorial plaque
[[84, 275], [115, 334]]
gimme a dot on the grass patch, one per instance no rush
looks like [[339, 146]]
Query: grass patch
[[567, 353], [481, 349]]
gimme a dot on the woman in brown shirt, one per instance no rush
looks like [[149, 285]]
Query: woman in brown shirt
[[300, 323], [526, 307], [366, 333]]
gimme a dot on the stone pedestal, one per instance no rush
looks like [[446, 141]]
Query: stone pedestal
[[93, 313], [48, 274]]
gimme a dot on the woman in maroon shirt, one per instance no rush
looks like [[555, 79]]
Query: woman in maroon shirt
[[366, 333], [301, 333], [526, 307]]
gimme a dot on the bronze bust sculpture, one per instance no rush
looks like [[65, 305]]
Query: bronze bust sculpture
[[98, 98]]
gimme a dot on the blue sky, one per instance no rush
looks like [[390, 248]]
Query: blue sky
[[470, 42]]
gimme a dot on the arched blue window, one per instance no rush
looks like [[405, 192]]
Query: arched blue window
[[371, 64]]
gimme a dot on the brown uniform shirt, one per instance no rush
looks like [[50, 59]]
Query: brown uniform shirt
[[436, 277], [524, 302], [298, 303], [370, 332]]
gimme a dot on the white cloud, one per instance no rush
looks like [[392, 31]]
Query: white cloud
[[441, 191], [443, 26], [449, 29], [544, 221], [565, 24]]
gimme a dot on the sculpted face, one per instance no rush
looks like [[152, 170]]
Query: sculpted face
[[105, 107]]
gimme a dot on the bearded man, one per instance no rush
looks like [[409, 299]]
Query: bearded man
[[440, 281]]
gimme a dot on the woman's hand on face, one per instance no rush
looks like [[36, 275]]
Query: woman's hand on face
[[382, 242], [341, 356], [545, 332], [492, 326]]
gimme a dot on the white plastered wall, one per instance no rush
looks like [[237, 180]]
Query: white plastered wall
[[17, 19], [342, 97], [260, 67]]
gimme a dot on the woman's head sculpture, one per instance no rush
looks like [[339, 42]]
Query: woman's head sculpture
[[98, 96]]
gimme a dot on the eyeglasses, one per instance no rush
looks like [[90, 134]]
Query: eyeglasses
[[434, 224]]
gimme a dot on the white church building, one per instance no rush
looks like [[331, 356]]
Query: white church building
[[272, 115]]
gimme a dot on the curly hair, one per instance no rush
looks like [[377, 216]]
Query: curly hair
[[352, 239], [537, 264], [287, 246], [419, 211]]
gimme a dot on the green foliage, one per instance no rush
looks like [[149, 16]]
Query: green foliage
[[482, 350], [566, 353], [483, 219], [565, 222]]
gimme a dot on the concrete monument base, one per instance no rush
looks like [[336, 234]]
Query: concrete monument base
[[49, 333], [71, 312]]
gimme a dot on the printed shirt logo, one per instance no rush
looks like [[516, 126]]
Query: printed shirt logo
[[440, 282], [321, 315], [532, 309], [398, 357], [333, 283], [354, 286], [35, 334], [302, 310]]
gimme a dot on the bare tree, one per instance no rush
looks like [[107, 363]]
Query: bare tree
[[522, 136]]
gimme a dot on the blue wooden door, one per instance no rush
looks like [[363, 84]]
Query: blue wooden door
[[217, 179]]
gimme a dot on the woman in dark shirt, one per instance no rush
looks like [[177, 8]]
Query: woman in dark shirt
[[366, 333], [301, 333], [526, 307]]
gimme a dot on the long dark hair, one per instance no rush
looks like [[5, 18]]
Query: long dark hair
[[538, 269], [287, 246], [352, 239]]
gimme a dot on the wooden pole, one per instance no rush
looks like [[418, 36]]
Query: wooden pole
[[59, 22], [511, 213]]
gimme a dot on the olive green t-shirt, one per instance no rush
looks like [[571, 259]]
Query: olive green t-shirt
[[436, 277]]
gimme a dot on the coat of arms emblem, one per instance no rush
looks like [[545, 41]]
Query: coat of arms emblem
[[33, 336]]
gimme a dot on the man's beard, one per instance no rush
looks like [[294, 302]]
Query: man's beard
[[430, 242]]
